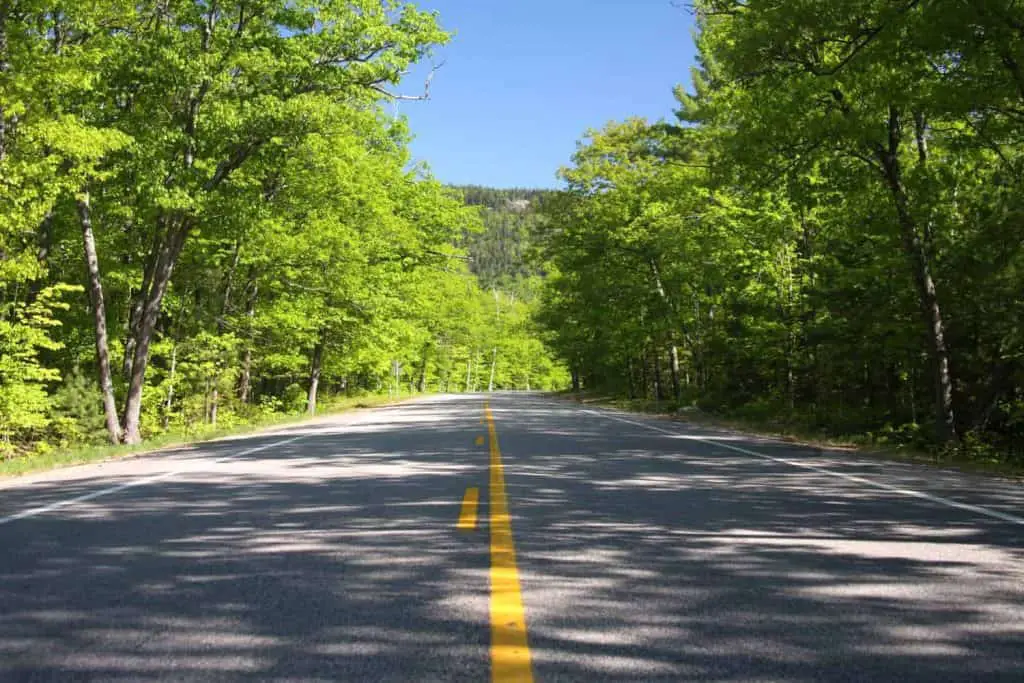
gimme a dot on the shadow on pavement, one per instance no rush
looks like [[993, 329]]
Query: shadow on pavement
[[331, 558], [643, 557], [647, 557]]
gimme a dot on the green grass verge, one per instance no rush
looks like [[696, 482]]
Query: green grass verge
[[82, 454], [778, 429]]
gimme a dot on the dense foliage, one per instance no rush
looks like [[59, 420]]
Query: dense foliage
[[206, 217], [830, 232], [500, 255]]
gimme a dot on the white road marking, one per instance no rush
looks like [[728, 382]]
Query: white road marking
[[910, 493], [43, 509]]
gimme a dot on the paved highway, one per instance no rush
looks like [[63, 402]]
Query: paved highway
[[441, 540]]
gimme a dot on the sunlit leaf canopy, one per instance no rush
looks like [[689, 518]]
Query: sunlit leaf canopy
[[207, 217], [826, 236]]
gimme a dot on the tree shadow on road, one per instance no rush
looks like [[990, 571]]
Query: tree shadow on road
[[330, 558], [647, 557], [643, 557]]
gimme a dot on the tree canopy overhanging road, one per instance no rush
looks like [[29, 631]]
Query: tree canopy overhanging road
[[209, 215], [643, 550]]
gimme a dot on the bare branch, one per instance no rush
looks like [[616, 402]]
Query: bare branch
[[409, 98]]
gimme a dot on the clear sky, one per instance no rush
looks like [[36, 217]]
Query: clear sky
[[523, 80]]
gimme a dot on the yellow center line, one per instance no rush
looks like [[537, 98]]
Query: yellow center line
[[510, 653], [467, 517]]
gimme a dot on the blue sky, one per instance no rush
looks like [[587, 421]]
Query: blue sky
[[523, 80]]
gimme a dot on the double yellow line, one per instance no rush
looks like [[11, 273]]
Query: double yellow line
[[510, 652]]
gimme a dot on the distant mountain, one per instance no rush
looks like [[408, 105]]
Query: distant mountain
[[500, 254], [500, 198]]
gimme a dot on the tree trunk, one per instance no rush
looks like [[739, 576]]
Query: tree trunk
[[791, 319], [673, 348], [138, 303], [813, 363], [134, 315], [421, 383], [659, 394], [170, 385], [44, 243], [673, 353], [99, 315], [170, 249], [221, 320], [915, 250], [315, 367], [575, 380], [245, 392], [645, 381], [494, 363], [214, 400]]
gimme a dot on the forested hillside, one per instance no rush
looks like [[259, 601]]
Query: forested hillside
[[206, 217], [500, 253], [831, 232], [501, 256]]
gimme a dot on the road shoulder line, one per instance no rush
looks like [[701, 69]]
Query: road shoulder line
[[910, 493], [152, 479]]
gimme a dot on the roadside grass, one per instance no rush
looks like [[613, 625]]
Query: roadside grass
[[83, 454], [861, 444]]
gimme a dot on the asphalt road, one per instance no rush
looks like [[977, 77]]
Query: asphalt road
[[644, 550]]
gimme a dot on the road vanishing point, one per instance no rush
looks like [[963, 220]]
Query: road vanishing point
[[509, 537]]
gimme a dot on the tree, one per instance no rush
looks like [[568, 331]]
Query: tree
[[819, 233], [206, 89]]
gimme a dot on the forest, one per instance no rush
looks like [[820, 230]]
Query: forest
[[502, 255], [208, 218], [828, 234]]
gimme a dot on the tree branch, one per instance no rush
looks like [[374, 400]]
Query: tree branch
[[409, 98]]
